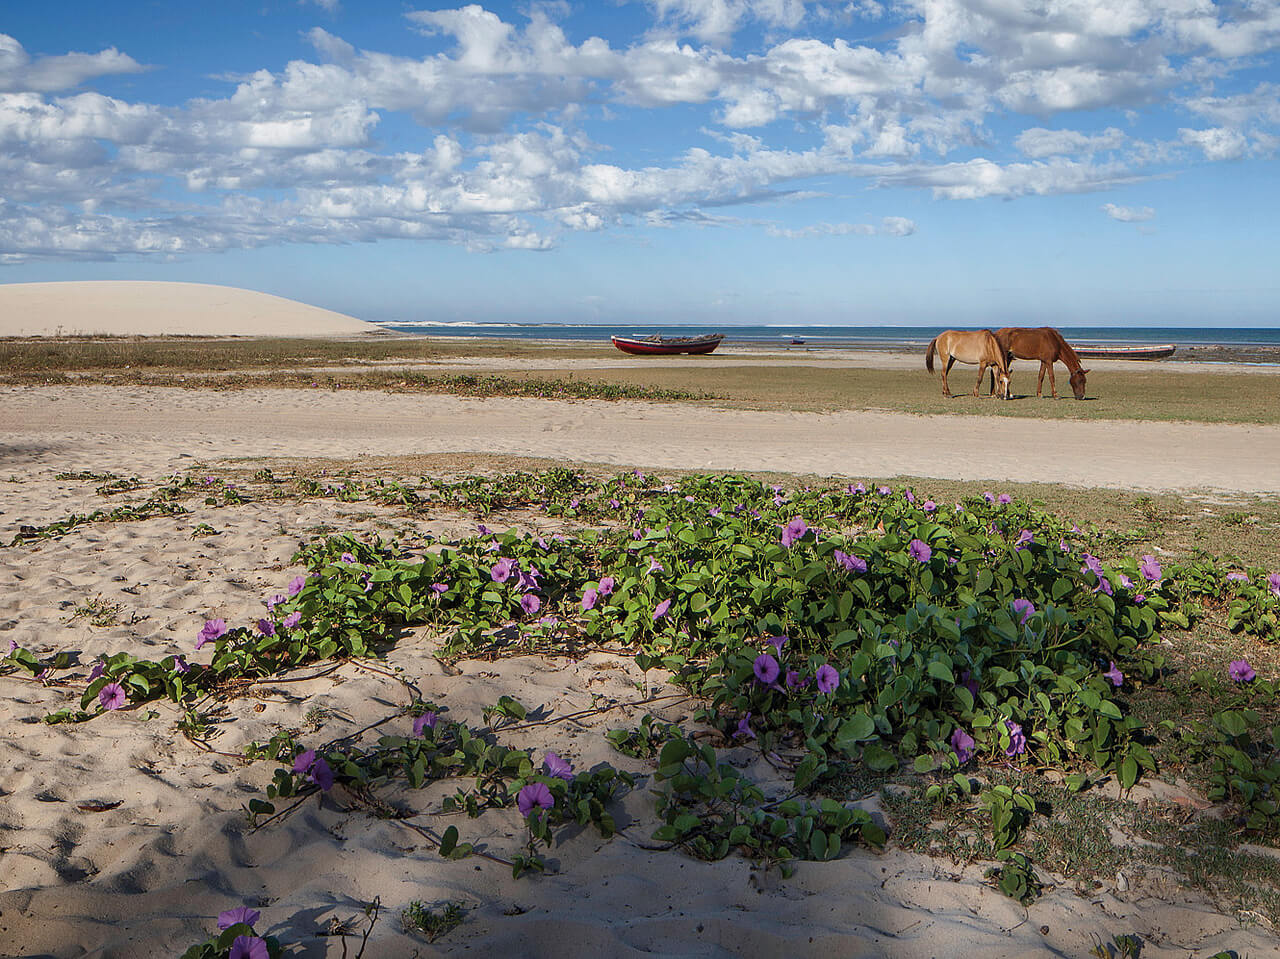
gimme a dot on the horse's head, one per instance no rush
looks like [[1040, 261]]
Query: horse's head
[[1077, 383], [1002, 384]]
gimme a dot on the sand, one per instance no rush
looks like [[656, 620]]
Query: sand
[[133, 429], [148, 877], [137, 308]]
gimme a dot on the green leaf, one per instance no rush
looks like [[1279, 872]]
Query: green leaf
[[449, 840]]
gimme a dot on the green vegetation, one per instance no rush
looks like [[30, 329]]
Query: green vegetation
[[1006, 676]]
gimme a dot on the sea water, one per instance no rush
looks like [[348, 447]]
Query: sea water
[[865, 337]]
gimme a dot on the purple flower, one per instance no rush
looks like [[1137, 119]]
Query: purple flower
[[1091, 565], [1139, 599], [963, 745], [930, 506], [655, 566], [439, 588], [794, 680], [744, 728], [530, 603], [1005, 499], [1025, 538], [766, 668], [884, 491], [266, 627], [322, 775], [589, 597], [240, 914], [714, 511], [421, 723], [348, 558], [248, 947], [296, 584], [1273, 584], [606, 585], [989, 496], [180, 665], [661, 609], [1150, 569], [1240, 671], [557, 767], [1064, 546], [1114, 674], [1104, 586], [920, 551], [969, 683], [1017, 741], [827, 678], [292, 620], [97, 670], [211, 630], [614, 503], [857, 488], [1237, 577], [911, 497], [111, 696], [13, 644], [534, 795], [275, 600], [793, 531], [501, 571], [304, 761], [1125, 581], [852, 564], [1023, 608], [777, 642]]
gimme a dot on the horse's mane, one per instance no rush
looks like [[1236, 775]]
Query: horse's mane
[[1068, 354]]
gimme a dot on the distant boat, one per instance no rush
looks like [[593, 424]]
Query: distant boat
[[656, 345], [1126, 352], [797, 341]]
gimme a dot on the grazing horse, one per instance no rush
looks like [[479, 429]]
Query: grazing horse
[[1046, 345], [979, 347]]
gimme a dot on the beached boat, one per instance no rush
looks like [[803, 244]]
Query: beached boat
[[1126, 352], [656, 345]]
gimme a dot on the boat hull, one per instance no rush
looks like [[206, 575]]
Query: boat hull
[[672, 347], [1126, 352]]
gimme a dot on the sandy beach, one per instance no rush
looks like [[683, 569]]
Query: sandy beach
[[122, 838]]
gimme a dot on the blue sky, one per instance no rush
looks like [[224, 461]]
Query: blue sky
[[931, 162]]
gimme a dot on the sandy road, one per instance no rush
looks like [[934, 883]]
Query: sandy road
[[145, 429]]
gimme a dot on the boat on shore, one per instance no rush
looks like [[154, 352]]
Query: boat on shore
[[656, 345], [1161, 352]]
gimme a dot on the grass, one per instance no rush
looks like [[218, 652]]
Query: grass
[[1154, 395]]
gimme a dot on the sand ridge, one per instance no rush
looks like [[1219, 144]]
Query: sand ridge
[[154, 308]]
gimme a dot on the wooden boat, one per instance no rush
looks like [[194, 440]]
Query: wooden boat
[[1125, 352], [656, 345]]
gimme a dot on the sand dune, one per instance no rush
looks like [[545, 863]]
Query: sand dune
[[136, 308]]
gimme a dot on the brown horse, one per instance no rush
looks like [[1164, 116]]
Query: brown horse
[[1046, 345], [979, 347]]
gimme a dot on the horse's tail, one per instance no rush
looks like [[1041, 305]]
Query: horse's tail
[[928, 354]]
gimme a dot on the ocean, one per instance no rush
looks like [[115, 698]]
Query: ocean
[[865, 337]]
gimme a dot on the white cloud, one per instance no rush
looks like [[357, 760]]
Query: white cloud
[[1037, 142], [329, 6], [1128, 214], [20, 72], [888, 226], [1217, 143]]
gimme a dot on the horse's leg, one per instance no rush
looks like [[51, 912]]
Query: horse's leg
[[1053, 387], [946, 390], [982, 371], [1040, 379]]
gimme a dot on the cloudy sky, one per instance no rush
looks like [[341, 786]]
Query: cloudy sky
[[935, 162]]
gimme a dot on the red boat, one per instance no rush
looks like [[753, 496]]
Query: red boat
[[656, 345], [1126, 352]]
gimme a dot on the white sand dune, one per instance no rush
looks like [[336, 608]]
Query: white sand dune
[[138, 308]]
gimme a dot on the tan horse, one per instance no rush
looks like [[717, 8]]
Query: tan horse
[[1046, 345], [979, 347]]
